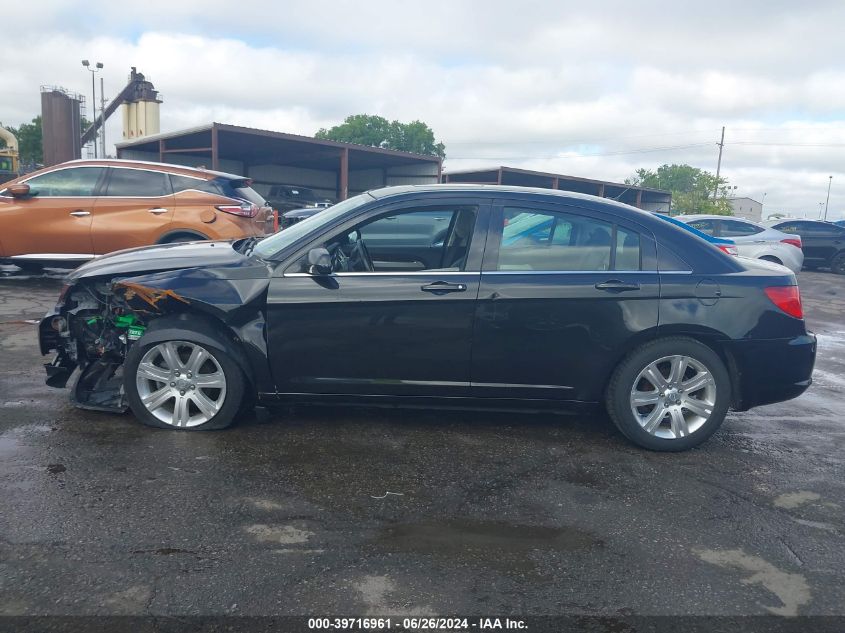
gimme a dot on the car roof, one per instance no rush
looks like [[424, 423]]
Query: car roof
[[712, 216], [683, 225], [145, 164], [399, 190]]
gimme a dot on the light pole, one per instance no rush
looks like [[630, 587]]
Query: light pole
[[829, 182], [98, 66], [821, 204]]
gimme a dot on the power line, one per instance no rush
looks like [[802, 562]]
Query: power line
[[560, 141], [643, 150]]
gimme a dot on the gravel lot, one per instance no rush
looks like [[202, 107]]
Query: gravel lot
[[316, 511]]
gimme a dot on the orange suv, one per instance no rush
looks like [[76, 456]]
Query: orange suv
[[75, 211]]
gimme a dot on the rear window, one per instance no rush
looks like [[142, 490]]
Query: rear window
[[229, 187], [185, 183], [241, 189], [735, 228]]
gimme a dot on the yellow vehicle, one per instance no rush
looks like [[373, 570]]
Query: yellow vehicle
[[8, 156]]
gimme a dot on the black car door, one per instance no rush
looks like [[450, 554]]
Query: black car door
[[402, 326], [825, 241], [563, 290]]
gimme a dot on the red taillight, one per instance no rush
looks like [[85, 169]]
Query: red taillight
[[245, 209], [787, 298], [730, 249], [795, 241]]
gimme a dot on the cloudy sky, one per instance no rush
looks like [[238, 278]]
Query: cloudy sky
[[593, 89]]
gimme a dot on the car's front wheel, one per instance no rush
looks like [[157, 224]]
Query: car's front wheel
[[183, 384], [670, 394]]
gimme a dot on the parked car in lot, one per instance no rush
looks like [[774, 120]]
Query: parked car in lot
[[77, 210], [823, 243], [289, 218], [288, 197], [752, 240], [723, 244], [439, 295]]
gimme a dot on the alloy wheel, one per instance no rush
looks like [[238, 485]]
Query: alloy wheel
[[181, 383], [673, 397]]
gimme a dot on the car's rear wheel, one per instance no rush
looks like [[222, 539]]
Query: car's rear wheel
[[837, 265], [182, 384], [182, 237], [670, 394]]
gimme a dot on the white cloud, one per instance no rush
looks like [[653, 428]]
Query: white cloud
[[553, 86]]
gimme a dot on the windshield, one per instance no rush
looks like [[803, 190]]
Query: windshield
[[269, 246]]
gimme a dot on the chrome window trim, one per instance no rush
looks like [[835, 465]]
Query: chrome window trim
[[414, 273], [65, 168], [156, 171], [435, 273], [56, 256], [569, 272]]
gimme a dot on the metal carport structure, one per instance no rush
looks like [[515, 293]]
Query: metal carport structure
[[641, 197], [332, 169]]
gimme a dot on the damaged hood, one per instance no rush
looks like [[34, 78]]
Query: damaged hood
[[148, 259]]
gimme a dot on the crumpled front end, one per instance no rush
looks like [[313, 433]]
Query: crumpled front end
[[91, 329]]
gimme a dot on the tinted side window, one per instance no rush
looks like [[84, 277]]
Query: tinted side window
[[734, 228], [137, 183], [787, 227], [705, 226], [669, 260], [417, 228], [404, 241], [76, 182], [826, 230], [627, 250], [545, 240], [184, 183]]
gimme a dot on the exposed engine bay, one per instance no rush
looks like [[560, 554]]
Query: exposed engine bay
[[95, 329]]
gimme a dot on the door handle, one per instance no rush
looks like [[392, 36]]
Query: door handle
[[79, 213], [438, 287], [158, 211], [614, 285]]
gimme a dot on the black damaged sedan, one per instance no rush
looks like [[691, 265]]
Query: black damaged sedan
[[439, 295]]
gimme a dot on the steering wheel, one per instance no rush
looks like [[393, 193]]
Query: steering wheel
[[359, 256]]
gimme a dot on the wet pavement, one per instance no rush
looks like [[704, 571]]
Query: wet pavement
[[314, 511]]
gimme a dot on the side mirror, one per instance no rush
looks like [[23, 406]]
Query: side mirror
[[19, 190], [319, 262]]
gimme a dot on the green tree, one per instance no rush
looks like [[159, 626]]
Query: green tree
[[692, 188], [376, 131], [29, 137]]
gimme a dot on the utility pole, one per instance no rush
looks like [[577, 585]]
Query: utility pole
[[721, 145], [97, 68], [103, 114], [829, 182]]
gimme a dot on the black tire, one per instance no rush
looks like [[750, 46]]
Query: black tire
[[618, 395], [234, 393], [182, 237], [837, 264], [770, 258]]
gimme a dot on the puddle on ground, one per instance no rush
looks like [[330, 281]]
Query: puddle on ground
[[491, 542]]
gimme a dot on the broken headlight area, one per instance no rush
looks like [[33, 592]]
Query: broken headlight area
[[92, 329]]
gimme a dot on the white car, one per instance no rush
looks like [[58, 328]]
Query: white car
[[752, 240]]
